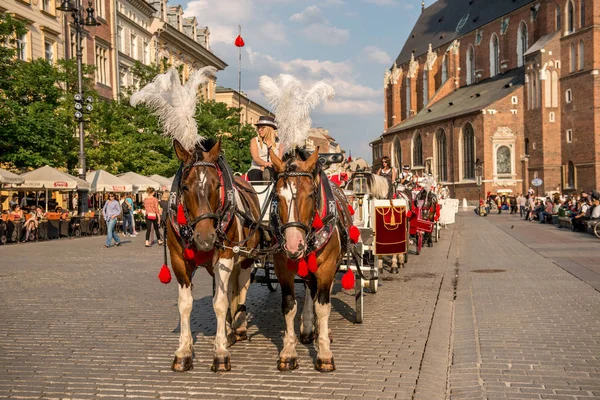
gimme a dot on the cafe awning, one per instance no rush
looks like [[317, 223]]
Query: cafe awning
[[102, 181], [10, 178], [140, 183], [164, 182], [50, 178]]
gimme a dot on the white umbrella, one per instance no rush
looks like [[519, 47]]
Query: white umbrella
[[50, 178], [166, 182], [102, 181], [139, 182], [9, 177]]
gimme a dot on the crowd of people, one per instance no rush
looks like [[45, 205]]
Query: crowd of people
[[579, 207]]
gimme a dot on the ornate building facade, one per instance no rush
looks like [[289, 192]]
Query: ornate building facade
[[505, 90]]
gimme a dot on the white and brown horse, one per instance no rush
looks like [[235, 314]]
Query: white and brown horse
[[211, 218], [301, 193]]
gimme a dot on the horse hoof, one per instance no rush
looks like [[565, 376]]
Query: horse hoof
[[235, 337], [182, 364], [221, 364], [325, 365], [288, 364], [306, 338]]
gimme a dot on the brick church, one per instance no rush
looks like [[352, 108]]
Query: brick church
[[506, 89]]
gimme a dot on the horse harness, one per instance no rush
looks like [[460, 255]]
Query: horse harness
[[221, 217], [316, 238]]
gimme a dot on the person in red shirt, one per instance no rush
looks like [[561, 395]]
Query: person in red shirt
[[152, 215]]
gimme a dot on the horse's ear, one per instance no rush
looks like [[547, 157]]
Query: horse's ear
[[213, 153], [182, 154], [312, 160], [277, 162]]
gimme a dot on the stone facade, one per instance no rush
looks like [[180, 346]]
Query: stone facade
[[545, 127], [251, 110]]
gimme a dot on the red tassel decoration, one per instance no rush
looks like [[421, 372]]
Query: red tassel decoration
[[292, 265], [181, 220], [354, 234], [239, 42], [189, 254], [302, 268], [317, 222], [312, 262], [350, 209], [348, 280], [165, 274]]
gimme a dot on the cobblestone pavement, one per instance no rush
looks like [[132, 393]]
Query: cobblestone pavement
[[81, 321], [524, 328], [481, 315]]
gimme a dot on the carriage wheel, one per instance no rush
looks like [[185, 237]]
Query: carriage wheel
[[95, 230], [271, 278], [597, 229], [77, 232], [3, 239]]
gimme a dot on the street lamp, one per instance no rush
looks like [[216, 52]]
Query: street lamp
[[479, 176], [76, 10]]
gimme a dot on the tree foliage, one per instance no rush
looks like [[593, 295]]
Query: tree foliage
[[37, 124]]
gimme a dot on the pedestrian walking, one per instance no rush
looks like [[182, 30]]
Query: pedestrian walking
[[111, 210], [152, 215], [127, 206]]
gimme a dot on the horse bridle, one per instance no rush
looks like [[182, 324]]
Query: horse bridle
[[209, 215], [278, 227]]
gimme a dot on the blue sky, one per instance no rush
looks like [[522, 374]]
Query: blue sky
[[348, 43]]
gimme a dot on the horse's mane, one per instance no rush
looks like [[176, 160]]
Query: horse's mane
[[205, 145], [379, 186]]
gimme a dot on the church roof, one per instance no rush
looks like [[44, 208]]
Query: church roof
[[446, 20], [466, 100], [537, 46]]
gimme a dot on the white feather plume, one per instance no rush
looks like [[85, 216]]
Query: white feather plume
[[292, 105], [175, 104]]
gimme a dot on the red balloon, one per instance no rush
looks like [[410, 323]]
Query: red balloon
[[239, 42]]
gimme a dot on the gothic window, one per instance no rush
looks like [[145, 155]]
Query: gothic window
[[470, 65], [526, 146], [468, 152], [397, 156], [570, 17], [522, 43], [425, 87], [557, 20], [572, 58], [534, 90], [417, 150], [408, 96], [503, 161], [442, 159], [548, 91], [444, 69], [570, 175], [554, 88], [494, 56], [581, 54], [582, 13]]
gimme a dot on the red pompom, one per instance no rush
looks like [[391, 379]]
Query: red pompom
[[317, 222], [354, 234], [189, 254], [350, 209], [292, 265], [312, 262], [408, 214], [348, 280], [181, 220], [302, 268], [165, 274]]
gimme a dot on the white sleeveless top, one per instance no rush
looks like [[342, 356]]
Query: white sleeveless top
[[263, 152]]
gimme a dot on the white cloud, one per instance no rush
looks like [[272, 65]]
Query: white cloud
[[275, 31], [333, 3], [221, 17], [353, 107], [318, 29], [382, 2], [377, 55], [311, 15]]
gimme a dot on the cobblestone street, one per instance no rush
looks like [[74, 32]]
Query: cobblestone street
[[479, 315]]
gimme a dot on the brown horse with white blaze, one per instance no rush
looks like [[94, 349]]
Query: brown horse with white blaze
[[214, 221], [298, 195]]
